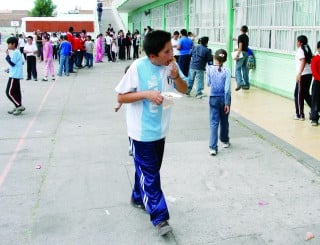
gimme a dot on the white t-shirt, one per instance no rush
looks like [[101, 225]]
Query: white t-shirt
[[146, 121], [54, 40], [108, 40], [30, 48], [21, 43], [174, 43], [300, 55]]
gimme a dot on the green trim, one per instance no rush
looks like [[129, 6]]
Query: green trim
[[186, 14], [229, 31], [264, 86], [150, 6]]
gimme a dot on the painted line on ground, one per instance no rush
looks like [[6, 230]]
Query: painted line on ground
[[23, 137]]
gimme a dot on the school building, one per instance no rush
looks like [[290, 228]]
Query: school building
[[273, 28]]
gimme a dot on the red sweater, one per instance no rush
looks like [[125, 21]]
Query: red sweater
[[315, 67]]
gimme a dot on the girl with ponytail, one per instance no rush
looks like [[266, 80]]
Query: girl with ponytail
[[218, 79], [303, 76]]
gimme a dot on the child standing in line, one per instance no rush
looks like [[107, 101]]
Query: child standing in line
[[114, 49], [13, 90], [218, 79], [48, 59], [65, 55], [315, 95], [89, 51], [99, 49]]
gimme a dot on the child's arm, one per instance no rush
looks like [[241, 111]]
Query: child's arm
[[152, 95], [8, 59], [227, 88], [208, 75]]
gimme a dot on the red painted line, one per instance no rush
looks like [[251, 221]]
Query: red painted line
[[21, 141]]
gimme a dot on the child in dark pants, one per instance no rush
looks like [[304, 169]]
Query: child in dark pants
[[147, 120], [13, 90], [315, 94]]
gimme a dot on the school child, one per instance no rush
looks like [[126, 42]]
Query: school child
[[303, 77], [48, 59], [114, 49], [218, 79], [89, 45], [315, 94], [31, 51], [65, 55], [99, 49], [148, 121], [13, 90]]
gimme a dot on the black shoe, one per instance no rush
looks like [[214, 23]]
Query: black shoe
[[28, 79], [314, 123], [238, 88], [245, 87]]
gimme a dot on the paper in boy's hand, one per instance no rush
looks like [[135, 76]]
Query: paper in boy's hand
[[168, 99], [171, 95]]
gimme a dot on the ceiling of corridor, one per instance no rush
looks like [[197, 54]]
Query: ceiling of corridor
[[131, 5]]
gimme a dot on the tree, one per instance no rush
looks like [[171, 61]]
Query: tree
[[43, 8]]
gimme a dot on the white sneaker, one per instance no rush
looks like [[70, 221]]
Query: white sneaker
[[20, 108], [212, 152], [200, 96], [12, 111], [225, 144], [296, 117]]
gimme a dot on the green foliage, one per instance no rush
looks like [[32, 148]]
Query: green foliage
[[43, 8]]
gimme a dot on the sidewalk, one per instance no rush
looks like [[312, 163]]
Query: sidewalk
[[66, 177], [275, 114]]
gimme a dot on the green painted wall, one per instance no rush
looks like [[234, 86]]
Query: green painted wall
[[274, 72]]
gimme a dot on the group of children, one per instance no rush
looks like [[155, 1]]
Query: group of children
[[307, 68]]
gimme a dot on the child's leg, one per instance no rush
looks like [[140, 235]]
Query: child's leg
[[214, 118], [13, 91], [224, 126], [315, 101]]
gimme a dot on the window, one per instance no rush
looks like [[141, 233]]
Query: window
[[207, 18], [174, 16], [275, 24]]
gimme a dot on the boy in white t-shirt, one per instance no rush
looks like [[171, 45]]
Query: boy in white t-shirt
[[148, 121]]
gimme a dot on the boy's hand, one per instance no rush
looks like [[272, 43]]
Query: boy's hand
[[155, 97], [226, 109]]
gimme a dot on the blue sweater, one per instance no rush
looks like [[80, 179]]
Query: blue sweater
[[219, 82], [201, 55], [65, 48]]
